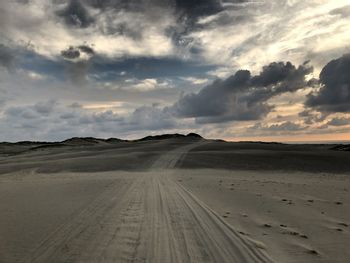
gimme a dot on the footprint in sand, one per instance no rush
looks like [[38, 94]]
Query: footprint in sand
[[243, 233], [290, 202], [226, 215], [312, 252], [292, 232]]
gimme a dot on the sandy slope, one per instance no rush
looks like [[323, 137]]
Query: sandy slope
[[151, 219]]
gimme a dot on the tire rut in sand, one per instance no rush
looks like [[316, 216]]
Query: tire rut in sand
[[66, 242], [193, 232], [153, 219]]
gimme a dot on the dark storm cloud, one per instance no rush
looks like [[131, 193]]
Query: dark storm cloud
[[7, 57], [339, 122], [186, 14], [131, 5], [287, 75], [86, 49], [196, 8], [75, 52], [70, 53], [334, 95], [190, 8], [76, 14], [241, 96], [77, 70]]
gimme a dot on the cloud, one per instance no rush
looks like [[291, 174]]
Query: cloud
[[46, 107], [7, 57], [77, 71], [168, 48], [286, 126], [75, 14], [285, 75], [339, 122], [86, 49], [147, 68], [311, 117], [195, 81], [249, 35], [73, 53], [188, 8], [147, 85], [150, 118], [53, 120], [70, 53], [78, 62], [195, 8], [242, 96], [334, 94], [36, 110], [342, 11]]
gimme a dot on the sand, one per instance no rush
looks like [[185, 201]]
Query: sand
[[299, 217], [147, 206]]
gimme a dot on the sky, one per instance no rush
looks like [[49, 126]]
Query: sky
[[268, 70]]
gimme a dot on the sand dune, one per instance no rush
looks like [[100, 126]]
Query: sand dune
[[139, 202], [152, 220]]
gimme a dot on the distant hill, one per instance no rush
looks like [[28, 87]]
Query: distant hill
[[170, 136], [89, 141], [341, 147], [25, 146]]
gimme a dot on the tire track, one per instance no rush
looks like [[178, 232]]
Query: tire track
[[61, 245], [153, 219]]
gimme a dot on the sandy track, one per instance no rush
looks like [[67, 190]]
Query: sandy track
[[152, 219]]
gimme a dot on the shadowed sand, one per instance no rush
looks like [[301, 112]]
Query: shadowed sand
[[144, 208]]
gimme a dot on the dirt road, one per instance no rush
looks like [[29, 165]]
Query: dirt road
[[150, 219]]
